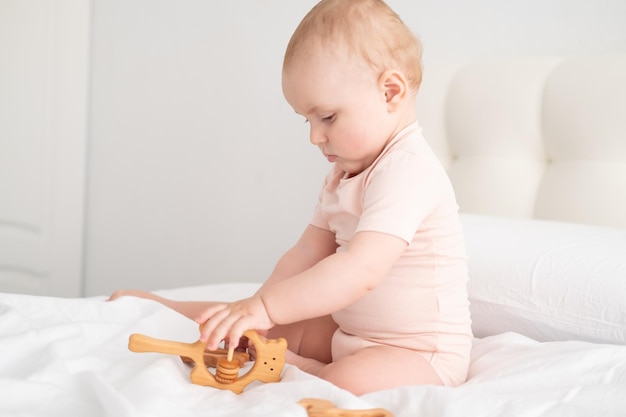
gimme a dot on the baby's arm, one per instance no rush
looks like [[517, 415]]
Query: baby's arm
[[336, 281], [329, 285], [230, 320]]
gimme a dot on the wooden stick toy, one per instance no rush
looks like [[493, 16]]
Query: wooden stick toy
[[269, 362], [321, 408]]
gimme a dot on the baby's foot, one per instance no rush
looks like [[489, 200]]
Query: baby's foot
[[133, 293]]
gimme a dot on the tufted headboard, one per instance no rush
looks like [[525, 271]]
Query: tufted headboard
[[533, 137]]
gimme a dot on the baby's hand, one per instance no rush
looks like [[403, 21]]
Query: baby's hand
[[229, 321]]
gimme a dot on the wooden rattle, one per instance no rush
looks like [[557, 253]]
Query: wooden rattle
[[227, 369], [269, 362], [321, 408]]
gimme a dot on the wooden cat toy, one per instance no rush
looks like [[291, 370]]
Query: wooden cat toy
[[267, 367]]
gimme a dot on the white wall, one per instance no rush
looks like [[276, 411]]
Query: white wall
[[198, 171], [477, 28]]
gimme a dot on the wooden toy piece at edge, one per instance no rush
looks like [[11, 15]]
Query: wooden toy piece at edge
[[267, 367], [316, 407]]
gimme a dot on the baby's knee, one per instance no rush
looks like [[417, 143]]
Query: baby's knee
[[358, 373], [377, 368]]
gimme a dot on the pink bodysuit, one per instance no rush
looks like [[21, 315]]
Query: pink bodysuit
[[422, 304]]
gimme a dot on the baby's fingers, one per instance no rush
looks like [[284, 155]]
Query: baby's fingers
[[237, 330], [210, 312], [228, 327], [210, 319]]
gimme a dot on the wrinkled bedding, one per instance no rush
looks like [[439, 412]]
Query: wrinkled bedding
[[62, 357]]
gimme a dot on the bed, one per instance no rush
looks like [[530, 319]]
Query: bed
[[536, 150]]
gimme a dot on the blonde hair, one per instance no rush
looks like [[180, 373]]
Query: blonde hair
[[367, 29]]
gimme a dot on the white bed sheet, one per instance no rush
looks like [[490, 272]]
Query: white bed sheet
[[62, 357]]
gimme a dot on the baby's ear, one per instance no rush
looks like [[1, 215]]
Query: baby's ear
[[395, 87]]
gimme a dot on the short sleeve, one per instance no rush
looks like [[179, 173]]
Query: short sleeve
[[400, 193]]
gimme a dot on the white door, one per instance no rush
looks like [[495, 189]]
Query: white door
[[44, 47]]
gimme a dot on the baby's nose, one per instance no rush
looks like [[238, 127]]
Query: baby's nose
[[316, 137]]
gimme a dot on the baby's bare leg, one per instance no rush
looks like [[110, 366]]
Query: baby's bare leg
[[377, 368], [190, 309], [310, 339]]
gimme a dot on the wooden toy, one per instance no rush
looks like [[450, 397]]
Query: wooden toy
[[321, 408], [269, 362]]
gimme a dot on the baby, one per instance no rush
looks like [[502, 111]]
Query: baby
[[373, 295]]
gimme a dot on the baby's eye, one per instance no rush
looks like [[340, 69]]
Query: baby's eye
[[329, 119]]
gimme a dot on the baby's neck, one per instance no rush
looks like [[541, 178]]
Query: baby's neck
[[406, 116]]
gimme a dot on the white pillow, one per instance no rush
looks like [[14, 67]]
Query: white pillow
[[547, 280]]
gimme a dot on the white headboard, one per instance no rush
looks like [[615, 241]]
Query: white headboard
[[540, 137]]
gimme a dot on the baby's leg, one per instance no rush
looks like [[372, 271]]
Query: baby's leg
[[376, 368], [190, 309], [311, 339]]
